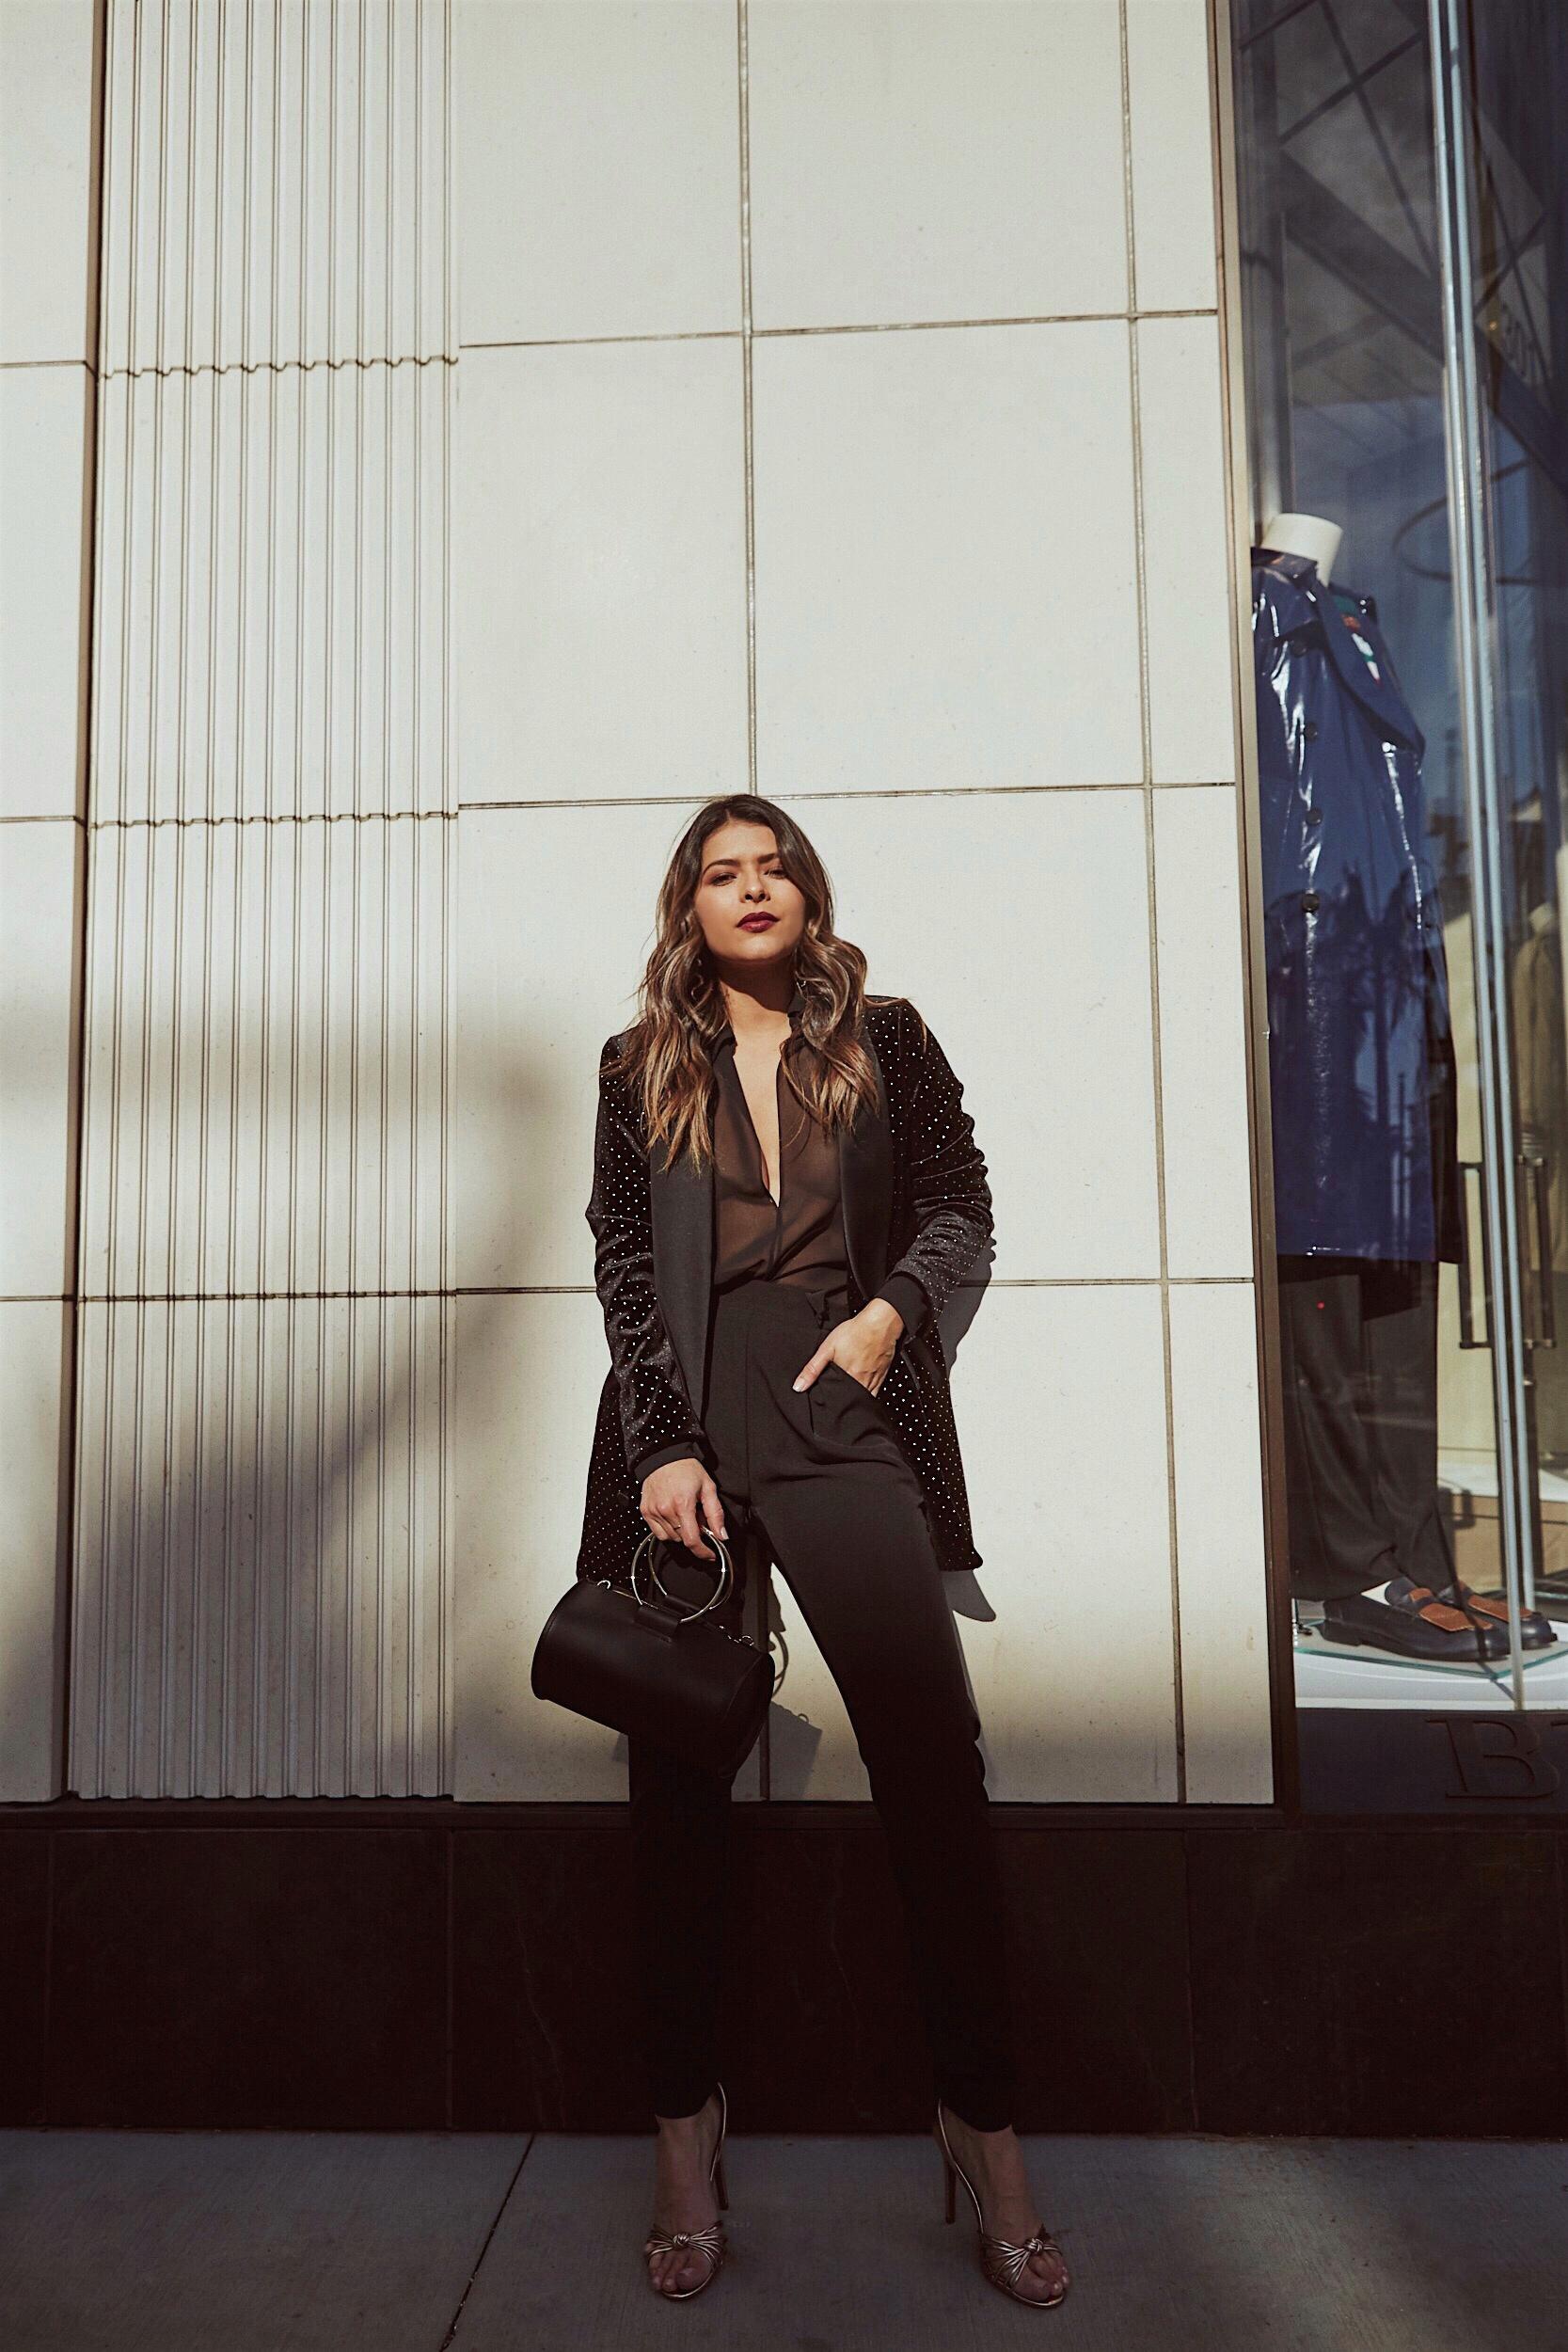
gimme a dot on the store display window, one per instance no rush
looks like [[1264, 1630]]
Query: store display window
[[1401, 178]]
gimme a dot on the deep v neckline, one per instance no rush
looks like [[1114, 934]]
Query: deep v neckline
[[776, 1197]]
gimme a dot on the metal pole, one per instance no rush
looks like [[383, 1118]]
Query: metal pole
[[1474, 629]]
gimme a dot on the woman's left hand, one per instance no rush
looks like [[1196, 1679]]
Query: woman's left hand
[[864, 1346]]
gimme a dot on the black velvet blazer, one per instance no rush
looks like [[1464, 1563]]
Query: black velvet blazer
[[917, 1203]]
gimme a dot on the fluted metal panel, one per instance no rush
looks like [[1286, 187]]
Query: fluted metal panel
[[263, 1511], [276, 183], [262, 1544], [273, 586], [268, 1072]]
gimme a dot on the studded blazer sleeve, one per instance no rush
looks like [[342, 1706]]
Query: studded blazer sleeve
[[657, 1418], [945, 1197]]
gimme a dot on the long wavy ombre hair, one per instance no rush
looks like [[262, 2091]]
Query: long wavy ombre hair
[[666, 1054]]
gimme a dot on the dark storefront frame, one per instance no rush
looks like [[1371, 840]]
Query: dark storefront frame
[[1351, 1760]]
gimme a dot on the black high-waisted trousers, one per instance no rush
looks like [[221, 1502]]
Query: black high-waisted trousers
[[817, 1480]]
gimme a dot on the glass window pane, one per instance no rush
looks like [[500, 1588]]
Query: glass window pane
[[1419, 1128]]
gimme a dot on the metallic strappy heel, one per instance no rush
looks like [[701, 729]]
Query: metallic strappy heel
[[708, 2243], [1003, 2261]]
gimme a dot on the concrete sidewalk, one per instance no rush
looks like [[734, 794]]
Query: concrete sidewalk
[[316, 2242]]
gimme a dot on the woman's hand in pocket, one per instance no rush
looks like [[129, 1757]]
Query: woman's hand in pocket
[[674, 1496], [864, 1346]]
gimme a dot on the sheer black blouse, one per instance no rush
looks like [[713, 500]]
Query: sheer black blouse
[[797, 1238], [800, 1236]]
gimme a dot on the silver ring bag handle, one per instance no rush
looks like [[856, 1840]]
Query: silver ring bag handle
[[688, 1614], [654, 1667]]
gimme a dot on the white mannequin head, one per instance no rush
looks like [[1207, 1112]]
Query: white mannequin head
[[1305, 535]]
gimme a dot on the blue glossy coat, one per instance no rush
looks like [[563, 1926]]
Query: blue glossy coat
[[1361, 1066]]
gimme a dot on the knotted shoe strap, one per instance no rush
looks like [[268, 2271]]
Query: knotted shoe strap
[[710, 2243], [1006, 2263]]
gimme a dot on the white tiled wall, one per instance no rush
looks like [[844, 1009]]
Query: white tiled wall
[[47, 215], [35, 1375], [46, 491], [936, 163], [1170, 153], [603, 551], [840, 413], [599, 156], [946, 576], [40, 927], [1184, 549], [46, 418]]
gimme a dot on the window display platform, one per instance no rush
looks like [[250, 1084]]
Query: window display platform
[[1330, 1674]]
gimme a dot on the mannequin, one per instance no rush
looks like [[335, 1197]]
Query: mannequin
[[1364, 1093], [1305, 535]]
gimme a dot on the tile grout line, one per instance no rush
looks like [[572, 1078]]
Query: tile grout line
[[563, 1290], [1152, 900], [830, 326], [84, 784], [449, 1048], [748, 414], [282, 816], [760, 1583], [193, 368], [853, 792]]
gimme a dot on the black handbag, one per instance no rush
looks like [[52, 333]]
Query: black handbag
[[651, 1668]]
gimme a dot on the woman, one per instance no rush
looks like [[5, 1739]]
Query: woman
[[786, 1190]]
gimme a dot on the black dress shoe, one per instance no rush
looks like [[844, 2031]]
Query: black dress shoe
[[1535, 1630], [1413, 1623]]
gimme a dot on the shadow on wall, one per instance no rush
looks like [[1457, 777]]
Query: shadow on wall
[[274, 1494], [263, 1595]]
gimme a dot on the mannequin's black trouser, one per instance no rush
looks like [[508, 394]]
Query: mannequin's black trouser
[[819, 1481], [1358, 1361]]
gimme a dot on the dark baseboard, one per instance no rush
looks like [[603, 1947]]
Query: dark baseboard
[[375, 1964]]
